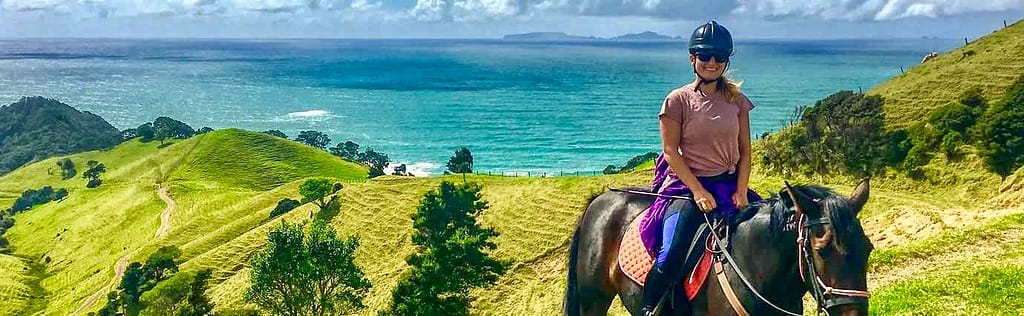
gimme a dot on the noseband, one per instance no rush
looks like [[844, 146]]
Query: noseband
[[826, 296]]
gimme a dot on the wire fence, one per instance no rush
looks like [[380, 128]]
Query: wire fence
[[507, 173]]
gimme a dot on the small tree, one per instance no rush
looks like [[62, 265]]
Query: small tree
[[314, 138], [67, 168], [377, 161], [274, 132], [348, 150], [316, 190], [1001, 132], [204, 130], [173, 128], [284, 206], [93, 173], [166, 298], [161, 135], [161, 263], [451, 258], [145, 132], [610, 169], [461, 162], [196, 302], [60, 194], [315, 274]]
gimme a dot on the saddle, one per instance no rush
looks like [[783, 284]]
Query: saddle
[[635, 262]]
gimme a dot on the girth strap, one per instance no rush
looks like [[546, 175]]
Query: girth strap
[[723, 282]]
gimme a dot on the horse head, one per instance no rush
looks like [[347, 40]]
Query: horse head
[[834, 250]]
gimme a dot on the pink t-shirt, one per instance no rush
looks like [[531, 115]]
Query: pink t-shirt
[[710, 130]]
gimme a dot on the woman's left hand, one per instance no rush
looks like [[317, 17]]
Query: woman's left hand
[[740, 199]]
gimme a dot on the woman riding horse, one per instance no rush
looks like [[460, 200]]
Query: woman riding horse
[[705, 136], [806, 240]]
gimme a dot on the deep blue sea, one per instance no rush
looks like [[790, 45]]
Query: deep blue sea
[[540, 107]]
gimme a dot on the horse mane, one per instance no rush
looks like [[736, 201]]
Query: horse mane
[[837, 209], [779, 207]]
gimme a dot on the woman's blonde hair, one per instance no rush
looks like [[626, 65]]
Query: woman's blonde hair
[[731, 88]]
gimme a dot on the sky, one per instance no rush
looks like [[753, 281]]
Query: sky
[[747, 19]]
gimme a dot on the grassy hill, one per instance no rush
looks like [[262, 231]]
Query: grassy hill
[[991, 63], [948, 244], [85, 234]]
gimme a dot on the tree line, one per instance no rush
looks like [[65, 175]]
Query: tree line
[[845, 133]]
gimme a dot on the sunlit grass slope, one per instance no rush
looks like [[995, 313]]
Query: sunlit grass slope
[[242, 159], [14, 290], [953, 238], [85, 234], [991, 63]]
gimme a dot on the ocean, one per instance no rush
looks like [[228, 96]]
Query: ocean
[[539, 107]]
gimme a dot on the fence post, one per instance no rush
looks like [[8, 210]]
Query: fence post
[[1004, 23], [965, 41], [527, 174], [901, 69]]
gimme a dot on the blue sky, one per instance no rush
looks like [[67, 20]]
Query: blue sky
[[748, 19]]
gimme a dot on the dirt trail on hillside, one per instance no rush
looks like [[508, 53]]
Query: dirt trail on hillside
[[973, 252], [165, 217], [122, 265], [119, 269]]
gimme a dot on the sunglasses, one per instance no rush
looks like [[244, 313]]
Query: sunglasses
[[720, 58]]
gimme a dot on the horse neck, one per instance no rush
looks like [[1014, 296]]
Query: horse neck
[[773, 272]]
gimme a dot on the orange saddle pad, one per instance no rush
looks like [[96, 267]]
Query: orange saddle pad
[[635, 262]]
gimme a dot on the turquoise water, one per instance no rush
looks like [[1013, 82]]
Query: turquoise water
[[538, 107]]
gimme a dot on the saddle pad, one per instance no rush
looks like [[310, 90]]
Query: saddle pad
[[636, 263]]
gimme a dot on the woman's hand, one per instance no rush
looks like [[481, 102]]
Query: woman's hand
[[705, 201], [740, 199]]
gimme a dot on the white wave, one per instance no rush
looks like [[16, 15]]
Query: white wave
[[419, 169], [308, 114]]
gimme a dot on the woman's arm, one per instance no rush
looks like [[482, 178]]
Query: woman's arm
[[670, 133], [743, 181]]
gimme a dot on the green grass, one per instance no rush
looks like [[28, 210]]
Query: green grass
[[994, 287], [949, 241], [997, 61], [84, 235], [236, 158], [226, 182], [14, 290]]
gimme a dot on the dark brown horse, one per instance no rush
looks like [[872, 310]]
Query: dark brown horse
[[832, 265]]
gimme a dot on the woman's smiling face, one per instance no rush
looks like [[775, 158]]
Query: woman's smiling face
[[709, 66]]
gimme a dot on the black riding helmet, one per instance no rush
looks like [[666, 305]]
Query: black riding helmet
[[710, 38]]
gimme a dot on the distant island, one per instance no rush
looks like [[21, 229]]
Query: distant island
[[561, 36]]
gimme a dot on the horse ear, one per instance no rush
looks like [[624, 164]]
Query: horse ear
[[802, 203], [860, 195]]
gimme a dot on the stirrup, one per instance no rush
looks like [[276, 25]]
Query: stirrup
[[648, 311]]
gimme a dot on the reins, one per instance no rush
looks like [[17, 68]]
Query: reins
[[819, 290]]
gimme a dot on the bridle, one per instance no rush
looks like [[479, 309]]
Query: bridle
[[826, 296]]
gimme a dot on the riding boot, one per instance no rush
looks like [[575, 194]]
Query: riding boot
[[654, 290]]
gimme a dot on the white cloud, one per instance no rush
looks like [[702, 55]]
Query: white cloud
[[326, 12], [879, 10]]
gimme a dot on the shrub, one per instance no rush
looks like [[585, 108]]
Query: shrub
[[284, 206]]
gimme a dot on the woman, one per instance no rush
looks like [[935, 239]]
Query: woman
[[705, 135]]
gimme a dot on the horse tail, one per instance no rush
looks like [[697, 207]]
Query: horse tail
[[572, 297], [572, 302]]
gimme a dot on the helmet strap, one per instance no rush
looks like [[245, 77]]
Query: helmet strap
[[704, 81]]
